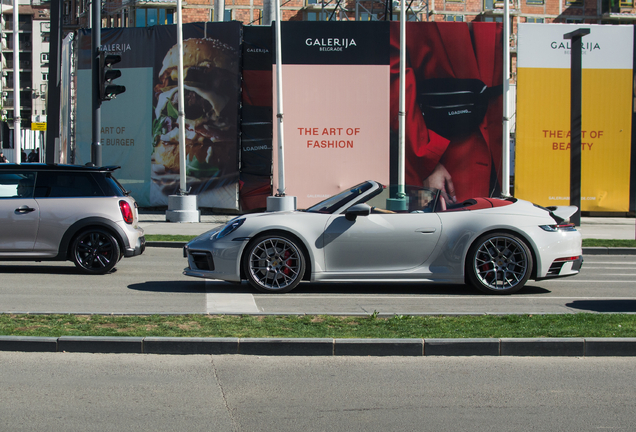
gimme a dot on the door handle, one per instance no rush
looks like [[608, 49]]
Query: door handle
[[426, 230], [24, 209]]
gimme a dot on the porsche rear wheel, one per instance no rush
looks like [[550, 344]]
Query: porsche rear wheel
[[274, 263], [499, 263]]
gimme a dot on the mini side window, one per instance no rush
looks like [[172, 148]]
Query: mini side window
[[17, 185]]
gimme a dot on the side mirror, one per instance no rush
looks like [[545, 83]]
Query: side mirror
[[357, 210]]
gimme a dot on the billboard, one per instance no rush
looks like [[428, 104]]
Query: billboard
[[453, 106], [542, 171], [341, 93], [140, 128], [256, 119], [336, 107]]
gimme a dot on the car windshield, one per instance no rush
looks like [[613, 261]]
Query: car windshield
[[335, 202], [406, 199]]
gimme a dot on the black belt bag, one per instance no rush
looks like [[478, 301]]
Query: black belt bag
[[454, 108]]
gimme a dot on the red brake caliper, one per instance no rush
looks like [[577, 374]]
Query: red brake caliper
[[286, 270]]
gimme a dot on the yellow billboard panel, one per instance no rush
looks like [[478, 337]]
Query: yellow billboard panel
[[542, 168]]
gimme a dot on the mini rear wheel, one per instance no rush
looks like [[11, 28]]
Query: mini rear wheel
[[499, 263], [95, 251], [274, 263]]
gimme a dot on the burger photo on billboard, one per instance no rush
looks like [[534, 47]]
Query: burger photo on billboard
[[210, 85]]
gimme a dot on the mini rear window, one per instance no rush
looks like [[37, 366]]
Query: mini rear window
[[62, 184], [116, 188]]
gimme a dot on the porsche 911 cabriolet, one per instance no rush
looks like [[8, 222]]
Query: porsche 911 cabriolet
[[372, 233]]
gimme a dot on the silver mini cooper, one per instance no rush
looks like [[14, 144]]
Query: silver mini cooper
[[67, 212]]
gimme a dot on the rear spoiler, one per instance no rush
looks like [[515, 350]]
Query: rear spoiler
[[109, 168], [562, 213]]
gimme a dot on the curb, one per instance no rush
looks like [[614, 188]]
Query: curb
[[586, 250], [609, 251], [166, 244], [515, 347]]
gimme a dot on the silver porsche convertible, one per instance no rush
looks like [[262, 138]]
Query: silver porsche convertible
[[371, 232]]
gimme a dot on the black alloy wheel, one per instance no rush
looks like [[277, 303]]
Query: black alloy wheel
[[499, 263], [274, 263], [95, 251]]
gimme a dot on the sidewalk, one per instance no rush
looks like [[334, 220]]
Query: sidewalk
[[155, 223], [591, 227], [608, 228]]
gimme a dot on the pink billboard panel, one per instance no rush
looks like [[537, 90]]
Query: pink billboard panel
[[336, 131], [336, 81]]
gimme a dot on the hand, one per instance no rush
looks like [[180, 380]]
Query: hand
[[441, 179]]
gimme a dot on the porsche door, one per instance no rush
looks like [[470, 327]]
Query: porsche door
[[380, 242]]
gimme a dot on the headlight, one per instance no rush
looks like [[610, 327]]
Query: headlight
[[230, 227]]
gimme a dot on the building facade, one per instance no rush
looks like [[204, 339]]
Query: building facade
[[34, 15], [32, 67]]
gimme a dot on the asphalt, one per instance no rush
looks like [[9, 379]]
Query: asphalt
[[155, 223]]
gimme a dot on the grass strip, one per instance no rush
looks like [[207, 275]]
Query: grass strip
[[586, 242], [608, 243], [323, 326], [168, 238]]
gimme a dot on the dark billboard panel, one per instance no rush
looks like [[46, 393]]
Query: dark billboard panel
[[256, 118], [140, 127]]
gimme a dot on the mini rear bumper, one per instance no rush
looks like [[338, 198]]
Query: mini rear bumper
[[139, 248]]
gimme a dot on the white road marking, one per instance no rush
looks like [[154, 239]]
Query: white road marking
[[590, 281], [437, 297], [221, 303], [605, 267]]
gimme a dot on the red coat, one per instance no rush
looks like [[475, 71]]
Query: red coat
[[460, 51]]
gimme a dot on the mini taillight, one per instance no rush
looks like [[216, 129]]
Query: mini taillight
[[126, 211]]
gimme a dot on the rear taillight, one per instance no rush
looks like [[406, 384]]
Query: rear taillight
[[126, 211], [566, 259], [559, 227]]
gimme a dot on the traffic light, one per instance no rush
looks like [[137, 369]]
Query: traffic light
[[107, 90]]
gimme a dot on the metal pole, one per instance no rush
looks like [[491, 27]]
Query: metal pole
[[182, 125], [17, 143], [575, 119], [505, 165], [266, 18], [279, 103], [2, 136], [53, 98], [219, 10], [96, 42], [402, 103], [280, 201]]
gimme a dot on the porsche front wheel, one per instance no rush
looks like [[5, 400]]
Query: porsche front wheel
[[499, 263], [274, 263]]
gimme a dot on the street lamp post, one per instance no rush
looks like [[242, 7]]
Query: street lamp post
[[575, 119], [281, 201]]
